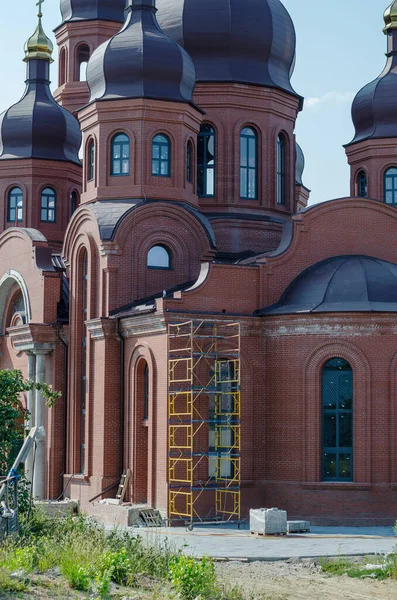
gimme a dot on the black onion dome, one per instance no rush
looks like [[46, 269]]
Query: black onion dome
[[141, 61], [341, 284], [241, 41], [92, 10], [36, 126]]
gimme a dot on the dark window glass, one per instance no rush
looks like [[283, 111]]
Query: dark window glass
[[146, 392], [48, 205], [159, 258], [15, 206], [83, 393], [281, 170], [91, 161], [206, 161], [337, 421], [83, 56], [248, 164], [390, 192], [362, 184], [161, 156], [189, 158], [74, 202], [120, 162]]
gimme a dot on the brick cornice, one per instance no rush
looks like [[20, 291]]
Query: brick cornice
[[102, 328], [333, 325]]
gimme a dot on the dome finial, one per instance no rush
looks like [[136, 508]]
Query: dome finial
[[390, 17], [39, 46]]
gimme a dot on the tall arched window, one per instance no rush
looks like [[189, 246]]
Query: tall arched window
[[15, 205], [248, 164], [91, 160], [48, 205], [362, 184], [62, 66], [281, 187], [120, 161], [206, 161], [146, 392], [83, 56], [337, 421], [74, 202], [390, 193], [83, 284], [159, 257], [161, 156], [189, 162]]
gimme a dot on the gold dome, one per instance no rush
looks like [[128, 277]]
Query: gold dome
[[390, 17], [39, 45]]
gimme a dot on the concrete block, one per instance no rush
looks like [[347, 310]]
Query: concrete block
[[268, 521], [298, 526]]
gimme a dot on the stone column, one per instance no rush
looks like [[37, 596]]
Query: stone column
[[39, 470], [32, 411]]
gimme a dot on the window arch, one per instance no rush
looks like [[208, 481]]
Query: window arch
[[159, 257], [62, 66], [390, 186], [83, 56], [206, 161], [120, 155], [48, 205], [337, 421], [91, 160], [362, 188], [74, 202], [15, 205], [189, 162], [281, 187], [161, 156], [248, 164]]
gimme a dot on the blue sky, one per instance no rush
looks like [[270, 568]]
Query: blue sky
[[340, 48]]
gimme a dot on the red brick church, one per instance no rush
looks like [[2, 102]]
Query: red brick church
[[227, 345]]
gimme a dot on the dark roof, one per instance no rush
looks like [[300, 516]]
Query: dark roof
[[374, 109], [242, 41], [36, 126], [89, 10], [141, 62], [341, 284]]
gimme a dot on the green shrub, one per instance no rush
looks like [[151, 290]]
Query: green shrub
[[191, 578], [117, 565]]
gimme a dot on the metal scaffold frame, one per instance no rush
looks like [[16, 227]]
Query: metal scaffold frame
[[204, 413]]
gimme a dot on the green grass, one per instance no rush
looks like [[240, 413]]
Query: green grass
[[345, 566], [91, 562]]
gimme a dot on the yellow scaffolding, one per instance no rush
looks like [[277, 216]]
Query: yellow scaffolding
[[204, 411]]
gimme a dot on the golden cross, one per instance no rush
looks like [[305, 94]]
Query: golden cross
[[39, 3]]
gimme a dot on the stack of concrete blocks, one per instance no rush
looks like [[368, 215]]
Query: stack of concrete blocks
[[268, 521]]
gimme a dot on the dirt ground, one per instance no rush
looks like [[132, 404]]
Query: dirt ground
[[304, 580]]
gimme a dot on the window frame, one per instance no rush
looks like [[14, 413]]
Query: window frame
[[91, 160], [44, 205], [359, 182], [245, 139], [169, 254], [281, 188], [189, 162], [337, 412], [393, 189], [18, 208], [159, 144], [121, 160]]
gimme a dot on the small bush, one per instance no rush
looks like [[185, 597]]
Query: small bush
[[191, 578]]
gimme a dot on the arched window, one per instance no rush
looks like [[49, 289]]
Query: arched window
[[83, 56], [281, 188], [159, 257], [206, 161], [62, 66], [74, 202], [337, 421], [91, 160], [83, 285], [248, 164], [146, 392], [15, 205], [18, 308], [120, 161], [189, 162], [390, 193], [161, 156], [362, 184], [48, 205]]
